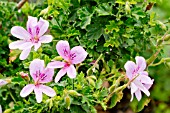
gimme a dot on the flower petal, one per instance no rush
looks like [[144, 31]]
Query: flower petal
[[20, 33], [24, 54], [36, 66], [61, 73], [130, 68], [138, 95], [37, 46], [141, 63], [27, 90], [46, 39], [145, 79], [141, 87], [25, 45], [43, 26], [47, 90], [32, 22], [78, 54], [56, 64], [63, 49], [49, 73], [38, 93], [71, 71], [0, 109], [3, 82], [133, 87], [16, 44], [133, 90], [148, 86]]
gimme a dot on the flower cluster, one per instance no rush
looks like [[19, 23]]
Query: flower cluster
[[140, 81], [74, 56], [34, 36]]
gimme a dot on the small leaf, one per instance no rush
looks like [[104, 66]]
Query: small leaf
[[142, 103], [85, 17], [99, 84], [104, 9], [116, 98]]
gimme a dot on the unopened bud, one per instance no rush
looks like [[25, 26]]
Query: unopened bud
[[127, 7], [74, 93], [58, 58], [162, 25], [25, 76], [44, 11], [91, 81], [67, 102], [92, 77]]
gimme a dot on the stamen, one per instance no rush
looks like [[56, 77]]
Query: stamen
[[65, 52], [72, 56]]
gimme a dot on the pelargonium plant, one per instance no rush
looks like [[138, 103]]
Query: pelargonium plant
[[74, 56], [33, 36], [40, 75], [139, 79], [94, 42]]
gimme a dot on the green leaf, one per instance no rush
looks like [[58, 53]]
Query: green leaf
[[142, 103], [104, 9], [85, 16], [112, 26], [94, 32], [116, 98], [64, 4], [99, 83]]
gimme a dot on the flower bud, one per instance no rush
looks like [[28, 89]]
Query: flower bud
[[127, 7], [25, 76], [67, 102], [74, 93], [91, 81], [58, 58]]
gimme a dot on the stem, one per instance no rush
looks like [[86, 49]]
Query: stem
[[116, 90], [21, 3], [161, 61], [154, 56], [73, 84], [12, 96], [97, 60], [120, 88], [89, 71]]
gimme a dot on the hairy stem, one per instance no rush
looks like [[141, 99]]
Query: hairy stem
[[21, 3]]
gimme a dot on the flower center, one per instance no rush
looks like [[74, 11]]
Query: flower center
[[72, 56], [39, 77], [67, 64]]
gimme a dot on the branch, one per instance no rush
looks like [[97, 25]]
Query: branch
[[21, 3]]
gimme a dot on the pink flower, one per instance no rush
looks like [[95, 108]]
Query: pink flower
[[140, 81], [33, 36], [3, 82], [40, 75], [74, 56]]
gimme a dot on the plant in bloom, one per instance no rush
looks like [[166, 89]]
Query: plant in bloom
[[33, 36], [40, 75], [74, 56], [140, 81]]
